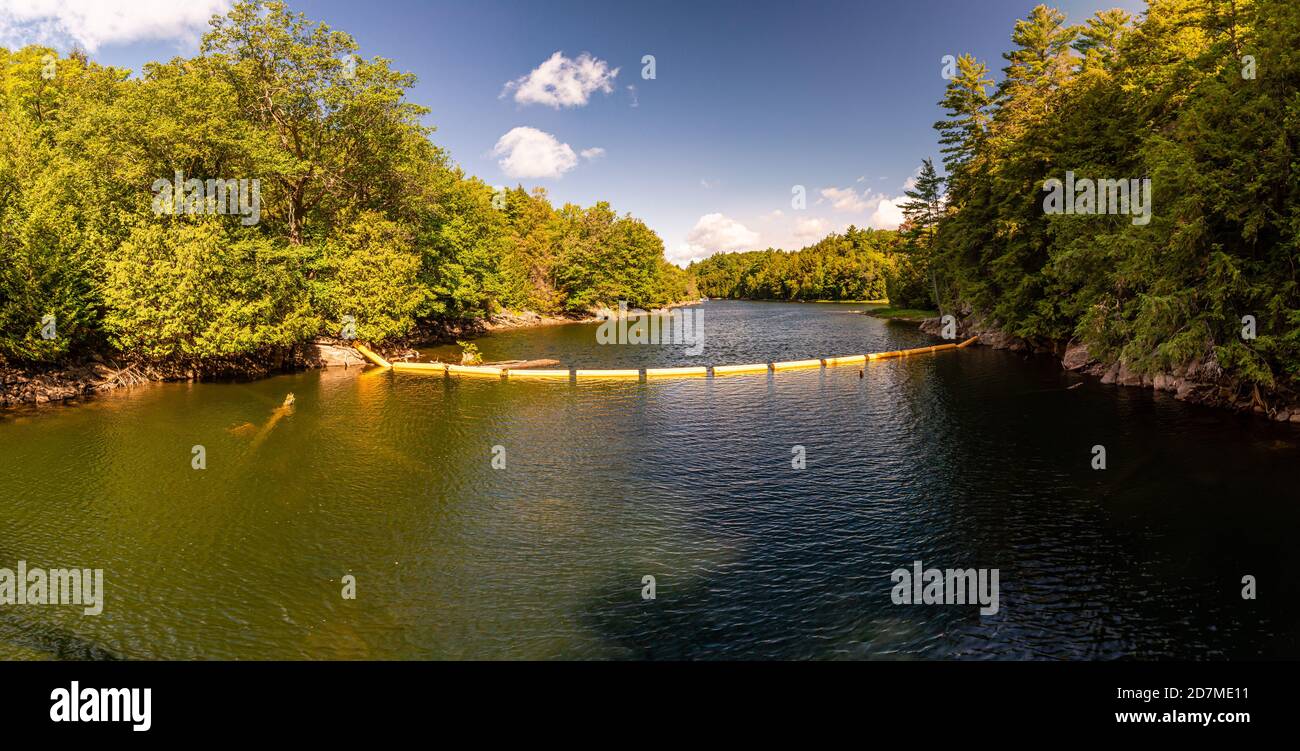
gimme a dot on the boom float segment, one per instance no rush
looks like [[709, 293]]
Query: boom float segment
[[420, 367], [371, 356], [607, 373], [675, 372], [846, 360], [475, 370], [537, 373], [740, 369], [796, 364]]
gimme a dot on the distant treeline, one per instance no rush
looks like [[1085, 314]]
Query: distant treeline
[[860, 264], [346, 210], [1200, 97]]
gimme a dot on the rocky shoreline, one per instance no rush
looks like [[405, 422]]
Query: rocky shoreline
[[527, 319], [1199, 382], [47, 384]]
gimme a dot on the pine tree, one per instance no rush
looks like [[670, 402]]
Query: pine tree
[[923, 209]]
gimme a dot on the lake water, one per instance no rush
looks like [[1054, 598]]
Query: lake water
[[969, 459]]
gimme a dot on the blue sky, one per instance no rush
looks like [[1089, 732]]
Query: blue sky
[[749, 98]]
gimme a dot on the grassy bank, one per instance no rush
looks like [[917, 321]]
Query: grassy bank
[[901, 314]]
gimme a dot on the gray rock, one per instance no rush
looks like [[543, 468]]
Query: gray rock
[[1127, 377], [330, 356], [1076, 357]]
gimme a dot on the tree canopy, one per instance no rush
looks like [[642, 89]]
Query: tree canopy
[[359, 213], [1201, 97], [855, 265]]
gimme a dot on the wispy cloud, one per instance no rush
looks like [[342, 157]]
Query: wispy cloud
[[844, 199], [811, 229]]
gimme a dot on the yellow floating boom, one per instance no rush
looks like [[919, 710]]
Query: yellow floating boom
[[740, 369], [420, 367], [675, 372], [630, 373], [371, 356], [537, 373], [475, 370], [796, 364], [846, 360], [699, 371]]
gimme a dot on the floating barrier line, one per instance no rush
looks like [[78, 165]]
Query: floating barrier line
[[687, 372]]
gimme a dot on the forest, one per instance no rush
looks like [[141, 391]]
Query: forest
[[1199, 97], [360, 217], [860, 264]]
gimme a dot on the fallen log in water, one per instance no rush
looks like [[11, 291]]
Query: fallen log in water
[[521, 364]]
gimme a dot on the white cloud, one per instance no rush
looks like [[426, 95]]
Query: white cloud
[[529, 152], [811, 229], [910, 183], [91, 24], [771, 215], [884, 210], [844, 199], [714, 233], [708, 185], [887, 214], [595, 152], [563, 82]]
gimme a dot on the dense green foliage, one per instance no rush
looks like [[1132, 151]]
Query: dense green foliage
[[360, 215], [1200, 96], [853, 266]]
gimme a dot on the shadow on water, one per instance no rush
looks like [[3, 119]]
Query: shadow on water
[[59, 643], [48, 639]]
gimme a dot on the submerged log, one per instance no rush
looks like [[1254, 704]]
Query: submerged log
[[521, 364]]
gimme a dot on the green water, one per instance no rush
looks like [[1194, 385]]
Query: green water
[[977, 458]]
